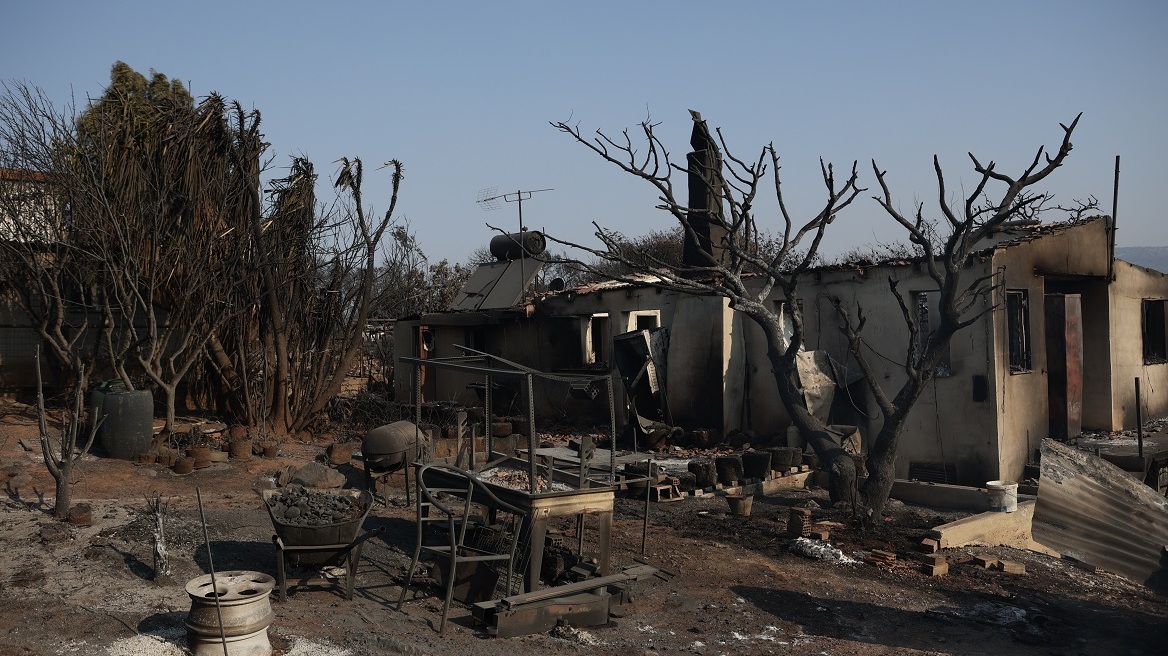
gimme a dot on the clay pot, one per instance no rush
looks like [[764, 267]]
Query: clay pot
[[184, 465], [729, 469], [201, 455], [237, 433], [740, 504], [271, 450], [756, 464], [166, 457], [240, 449], [704, 472]]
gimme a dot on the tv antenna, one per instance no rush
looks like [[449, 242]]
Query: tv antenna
[[489, 200]]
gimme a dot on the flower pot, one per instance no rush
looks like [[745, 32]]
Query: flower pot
[[240, 449], [201, 455], [184, 466], [271, 450], [740, 504]]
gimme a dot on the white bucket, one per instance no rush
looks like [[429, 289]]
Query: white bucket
[[1003, 495]]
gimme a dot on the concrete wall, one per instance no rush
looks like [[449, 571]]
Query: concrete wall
[[1132, 285], [554, 340], [946, 424], [1075, 253], [752, 395]]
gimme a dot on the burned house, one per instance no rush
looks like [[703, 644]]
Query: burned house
[[1057, 351]]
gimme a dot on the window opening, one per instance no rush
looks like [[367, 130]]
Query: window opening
[[598, 340], [1155, 332], [1018, 329], [644, 320]]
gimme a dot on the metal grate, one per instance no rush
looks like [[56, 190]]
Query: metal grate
[[933, 472]]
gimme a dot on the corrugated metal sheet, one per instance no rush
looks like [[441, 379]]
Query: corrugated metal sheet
[[1093, 511]]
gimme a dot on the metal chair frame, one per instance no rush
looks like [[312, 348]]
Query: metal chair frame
[[456, 519]]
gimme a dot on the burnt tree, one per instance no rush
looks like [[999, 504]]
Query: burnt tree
[[724, 257], [943, 254], [724, 254]]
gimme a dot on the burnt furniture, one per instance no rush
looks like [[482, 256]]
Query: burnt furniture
[[460, 491]]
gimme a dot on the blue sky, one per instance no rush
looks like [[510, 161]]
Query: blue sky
[[462, 93]]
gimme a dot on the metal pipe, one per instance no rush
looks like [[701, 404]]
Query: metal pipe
[[611, 433], [211, 566], [648, 489], [1114, 210], [1139, 423], [488, 410], [532, 443]]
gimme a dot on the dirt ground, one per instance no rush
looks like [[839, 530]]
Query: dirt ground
[[733, 587]]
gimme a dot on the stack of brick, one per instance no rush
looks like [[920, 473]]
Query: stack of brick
[[934, 564], [799, 525], [881, 557]]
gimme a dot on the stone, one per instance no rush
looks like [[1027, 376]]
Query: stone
[[314, 474]]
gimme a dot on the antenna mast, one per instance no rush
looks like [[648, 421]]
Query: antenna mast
[[489, 200]]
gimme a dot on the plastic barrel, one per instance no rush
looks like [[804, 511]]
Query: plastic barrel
[[127, 427], [1003, 495]]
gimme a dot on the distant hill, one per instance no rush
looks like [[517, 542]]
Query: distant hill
[[1153, 257]]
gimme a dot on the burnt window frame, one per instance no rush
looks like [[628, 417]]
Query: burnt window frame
[[598, 339], [1154, 330], [1020, 354], [635, 317]]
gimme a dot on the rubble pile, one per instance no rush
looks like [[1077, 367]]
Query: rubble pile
[[516, 479], [301, 507]]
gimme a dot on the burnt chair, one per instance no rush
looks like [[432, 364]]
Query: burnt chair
[[460, 490]]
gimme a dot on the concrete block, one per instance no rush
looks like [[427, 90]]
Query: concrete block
[[992, 529], [985, 562], [940, 569], [1011, 567], [931, 559]]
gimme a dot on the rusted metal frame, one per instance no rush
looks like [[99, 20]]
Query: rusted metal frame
[[566, 378], [645, 523], [351, 552], [531, 441], [611, 432], [463, 365], [488, 409], [572, 588]]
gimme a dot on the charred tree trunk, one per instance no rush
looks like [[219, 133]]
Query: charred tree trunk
[[61, 456]]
